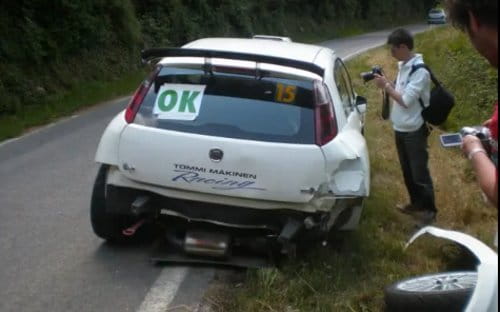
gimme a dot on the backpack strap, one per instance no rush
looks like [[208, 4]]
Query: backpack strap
[[416, 67], [436, 82]]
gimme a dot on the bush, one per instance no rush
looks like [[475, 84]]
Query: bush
[[48, 47], [465, 73]]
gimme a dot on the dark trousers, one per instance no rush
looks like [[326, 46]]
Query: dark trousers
[[413, 157]]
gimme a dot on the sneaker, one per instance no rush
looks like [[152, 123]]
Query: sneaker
[[425, 217], [408, 209]]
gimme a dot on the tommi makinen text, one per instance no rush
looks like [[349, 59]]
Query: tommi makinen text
[[216, 171]]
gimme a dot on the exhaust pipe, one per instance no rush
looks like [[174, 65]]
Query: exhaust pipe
[[208, 244]]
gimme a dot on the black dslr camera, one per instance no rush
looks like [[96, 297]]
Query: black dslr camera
[[367, 76]]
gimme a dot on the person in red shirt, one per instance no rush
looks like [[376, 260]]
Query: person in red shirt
[[479, 19], [492, 124]]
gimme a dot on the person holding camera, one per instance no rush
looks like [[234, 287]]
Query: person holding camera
[[411, 131], [479, 19]]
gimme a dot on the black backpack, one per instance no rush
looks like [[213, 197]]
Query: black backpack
[[441, 101]]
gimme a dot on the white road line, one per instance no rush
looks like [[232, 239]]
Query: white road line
[[377, 45], [360, 51], [37, 129], [61, 120], [164, 290]]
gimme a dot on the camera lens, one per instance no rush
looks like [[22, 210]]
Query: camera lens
[[367, 76]]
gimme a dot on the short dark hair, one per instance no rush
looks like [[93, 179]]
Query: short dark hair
[[401, 36], [486, 11]]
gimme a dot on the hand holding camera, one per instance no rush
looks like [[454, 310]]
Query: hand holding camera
[[368, 76], [480, 138], [381, 82]]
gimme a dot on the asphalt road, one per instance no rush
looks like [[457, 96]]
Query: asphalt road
[[49, 258]]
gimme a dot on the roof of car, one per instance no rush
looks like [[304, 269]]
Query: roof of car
[[290, 50]]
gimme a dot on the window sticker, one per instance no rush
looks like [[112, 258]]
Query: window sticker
[[178, 101], [285, 93]]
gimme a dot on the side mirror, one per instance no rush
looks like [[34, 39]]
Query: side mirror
[[361, 104]]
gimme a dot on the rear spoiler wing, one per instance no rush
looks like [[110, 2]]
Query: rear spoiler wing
[[154, 53]]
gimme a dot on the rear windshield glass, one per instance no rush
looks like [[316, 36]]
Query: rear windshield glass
[[436, 11], [270, 109]]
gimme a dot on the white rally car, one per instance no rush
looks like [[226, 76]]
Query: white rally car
[[231, 138]]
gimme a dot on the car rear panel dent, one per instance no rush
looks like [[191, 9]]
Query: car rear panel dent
[[348, 161], [348, 179]]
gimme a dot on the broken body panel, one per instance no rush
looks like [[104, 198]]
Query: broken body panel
[[485, 295]]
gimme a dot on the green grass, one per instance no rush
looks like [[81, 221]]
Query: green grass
[[63, 104], [351, 275], [467, 74]]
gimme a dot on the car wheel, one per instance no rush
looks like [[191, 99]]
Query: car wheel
[[447, 291], [105, 225]]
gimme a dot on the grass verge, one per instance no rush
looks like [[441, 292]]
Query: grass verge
[[63, 104], [352, 275]]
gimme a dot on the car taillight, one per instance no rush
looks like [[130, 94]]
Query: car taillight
[[326, 125], [139, 95]]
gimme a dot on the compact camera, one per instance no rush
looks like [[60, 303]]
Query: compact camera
[[367, 76], [455, 139]]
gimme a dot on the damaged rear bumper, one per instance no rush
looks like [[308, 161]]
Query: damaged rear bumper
[[485, 296]]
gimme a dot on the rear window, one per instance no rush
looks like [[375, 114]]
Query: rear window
[[434, 11], [271, 109]]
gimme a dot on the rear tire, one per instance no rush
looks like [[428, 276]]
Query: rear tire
[[105, 225], [447, 291]]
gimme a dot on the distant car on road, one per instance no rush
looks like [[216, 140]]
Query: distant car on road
[[436, 16], [233, 138]]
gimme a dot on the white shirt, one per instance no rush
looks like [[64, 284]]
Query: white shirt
[[413, 88]]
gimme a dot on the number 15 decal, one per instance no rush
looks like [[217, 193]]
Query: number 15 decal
[[285, 94]]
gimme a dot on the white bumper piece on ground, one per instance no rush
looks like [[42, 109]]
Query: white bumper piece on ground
[[485, 296]]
